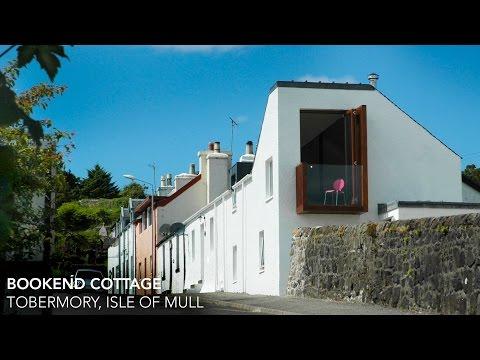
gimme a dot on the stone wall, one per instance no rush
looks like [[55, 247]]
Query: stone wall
[[431, 264]]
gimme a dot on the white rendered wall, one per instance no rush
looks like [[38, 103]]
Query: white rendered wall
[[405, 162], [240, 227], [469, 194]]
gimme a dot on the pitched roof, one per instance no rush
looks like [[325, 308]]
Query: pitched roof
[[321, 85]]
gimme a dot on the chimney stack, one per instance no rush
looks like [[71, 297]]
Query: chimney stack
[[217, 165], [248, 156], [162, 181], [192, 169], [372, 79], [168, 180]]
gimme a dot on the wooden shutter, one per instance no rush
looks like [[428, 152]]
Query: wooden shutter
[[358, 156]]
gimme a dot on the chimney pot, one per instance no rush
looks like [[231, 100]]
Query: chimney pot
[[210, 146], [216, 146], [373, 78], [192, 169], [249, 147]]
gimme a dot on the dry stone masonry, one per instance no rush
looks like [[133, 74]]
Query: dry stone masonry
[[430, 264]]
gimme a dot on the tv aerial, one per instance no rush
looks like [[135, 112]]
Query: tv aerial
[[233, 124]]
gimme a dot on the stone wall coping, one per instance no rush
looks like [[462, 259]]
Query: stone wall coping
[[384, 208]]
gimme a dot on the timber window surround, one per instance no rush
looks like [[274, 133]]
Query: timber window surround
[[269, 179], [261, 250], [332, 176]]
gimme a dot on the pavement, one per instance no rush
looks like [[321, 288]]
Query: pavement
[[285, 305], [206, 304]]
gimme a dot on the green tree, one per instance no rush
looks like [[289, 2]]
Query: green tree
[[71, 190], [12, 113], [473, 173], [134, 191], [78, 224], [34, 171], [98, 184]]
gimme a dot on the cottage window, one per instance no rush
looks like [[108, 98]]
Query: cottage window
[[193, 245], [261, 250], [149, 217], [177, 254], [163, 262], [269, 178], [234, 199], [234, 264]]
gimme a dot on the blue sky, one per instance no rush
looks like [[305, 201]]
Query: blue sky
[[133, 105]]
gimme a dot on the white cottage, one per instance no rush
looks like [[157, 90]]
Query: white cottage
[[327, 154]]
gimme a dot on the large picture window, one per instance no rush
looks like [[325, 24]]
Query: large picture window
[[332, 176]]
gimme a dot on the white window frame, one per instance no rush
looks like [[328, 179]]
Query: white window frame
[[268, 179], [261, 250]]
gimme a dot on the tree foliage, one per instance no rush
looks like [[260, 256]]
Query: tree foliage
[[98, 184], [134, 191], [33, 171], [15, 111], [473, 173], [78, 224], [71, 190]]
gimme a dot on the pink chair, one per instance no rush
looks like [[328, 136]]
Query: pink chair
[[338, 186]]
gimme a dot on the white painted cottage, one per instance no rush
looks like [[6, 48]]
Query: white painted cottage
[[327, 154]]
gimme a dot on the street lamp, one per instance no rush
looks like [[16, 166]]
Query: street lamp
[[133, 178]]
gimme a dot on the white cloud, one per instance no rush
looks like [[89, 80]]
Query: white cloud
[[343, 79], [199, 48]]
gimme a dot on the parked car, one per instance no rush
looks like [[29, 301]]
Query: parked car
[[88, 275]]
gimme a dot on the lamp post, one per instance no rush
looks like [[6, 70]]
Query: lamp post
[[133, 178]]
